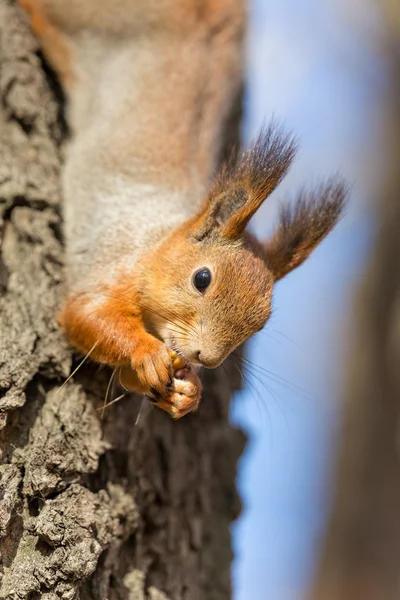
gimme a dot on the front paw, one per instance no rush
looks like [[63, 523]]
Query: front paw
[[185, 395], [153, 366]]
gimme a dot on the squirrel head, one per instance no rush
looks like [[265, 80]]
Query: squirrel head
[[208, 285]]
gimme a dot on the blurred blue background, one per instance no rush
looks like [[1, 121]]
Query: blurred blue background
[[315, 66]]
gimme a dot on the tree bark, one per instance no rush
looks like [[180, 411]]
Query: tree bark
[[89, 507], [361, 553]]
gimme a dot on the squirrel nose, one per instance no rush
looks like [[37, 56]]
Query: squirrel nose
[[205, 360]]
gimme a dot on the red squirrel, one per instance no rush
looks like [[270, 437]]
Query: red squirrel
[[159, 263]]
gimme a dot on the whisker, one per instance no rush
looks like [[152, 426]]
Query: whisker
[[152, 310], [140, 412], [118, 295], [113, 401], [108, 391], [286, 337], [173, 315], [78, 367], [256, 396], [274, 375], [179, 324], [263, 384], [120, 383]]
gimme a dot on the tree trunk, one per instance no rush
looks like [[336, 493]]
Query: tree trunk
[[90, 507], [361, 554]]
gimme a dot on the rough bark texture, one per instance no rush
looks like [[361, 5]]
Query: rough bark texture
[[361, 557], [89, 507]]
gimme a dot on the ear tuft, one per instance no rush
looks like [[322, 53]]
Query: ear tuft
[[240, 188], [265, 164], [304, 225]]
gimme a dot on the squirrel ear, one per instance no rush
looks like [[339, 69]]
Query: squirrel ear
[[238, 191], [303, 226]]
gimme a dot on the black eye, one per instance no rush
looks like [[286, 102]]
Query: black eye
[[202, 279]]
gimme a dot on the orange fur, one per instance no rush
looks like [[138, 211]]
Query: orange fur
[[117, 329], [155, 87], [115, 335], [54, 42], [126, 321]]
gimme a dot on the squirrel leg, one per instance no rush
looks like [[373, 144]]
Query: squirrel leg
[[112, 333], [184, 394]]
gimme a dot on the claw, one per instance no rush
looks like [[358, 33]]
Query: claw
[[183, 390], [185, 396]]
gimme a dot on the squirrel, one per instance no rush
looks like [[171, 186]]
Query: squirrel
[[162, 274]]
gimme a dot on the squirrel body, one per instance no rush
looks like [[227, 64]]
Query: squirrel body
[[149, 88], [145, 134]]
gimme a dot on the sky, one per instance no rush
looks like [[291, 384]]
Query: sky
[[312, 65]]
